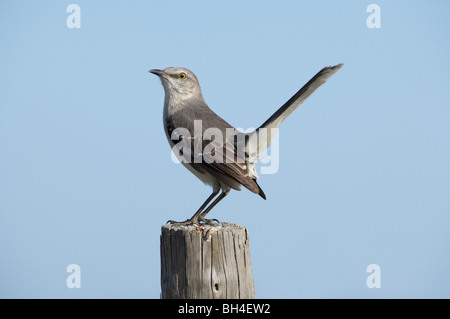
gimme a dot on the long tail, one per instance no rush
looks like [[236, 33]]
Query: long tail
[[264, 137]]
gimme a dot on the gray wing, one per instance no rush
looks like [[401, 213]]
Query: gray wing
[[219, 157]]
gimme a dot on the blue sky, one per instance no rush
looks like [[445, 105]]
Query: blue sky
[[86, 175]]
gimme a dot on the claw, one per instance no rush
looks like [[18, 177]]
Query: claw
[[186, 222], [211, 222], [196, 221]]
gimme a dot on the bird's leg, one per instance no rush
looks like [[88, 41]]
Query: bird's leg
[[206, 211], [194, 220]]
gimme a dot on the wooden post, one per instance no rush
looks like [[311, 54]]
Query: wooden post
[[206, 262]]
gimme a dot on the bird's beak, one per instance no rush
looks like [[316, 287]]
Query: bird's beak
[[157, 72]]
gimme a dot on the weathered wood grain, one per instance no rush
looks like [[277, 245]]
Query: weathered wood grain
[[206, 262]]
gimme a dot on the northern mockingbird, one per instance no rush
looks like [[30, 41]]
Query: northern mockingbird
[[231, 157]]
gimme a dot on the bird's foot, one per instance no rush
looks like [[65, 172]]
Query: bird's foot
[[195, 221], [210, 222], [185, 223]]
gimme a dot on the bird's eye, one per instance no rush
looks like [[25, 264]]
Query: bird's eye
[[182, 75]]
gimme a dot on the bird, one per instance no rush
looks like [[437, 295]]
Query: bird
[[233, 155]]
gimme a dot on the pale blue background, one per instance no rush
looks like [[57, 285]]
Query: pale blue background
[[85, 169]]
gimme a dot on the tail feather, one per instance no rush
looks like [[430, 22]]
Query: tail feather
[[273, 122], [261, 192]]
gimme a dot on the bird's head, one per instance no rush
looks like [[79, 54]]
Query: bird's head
[[179, 81]]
